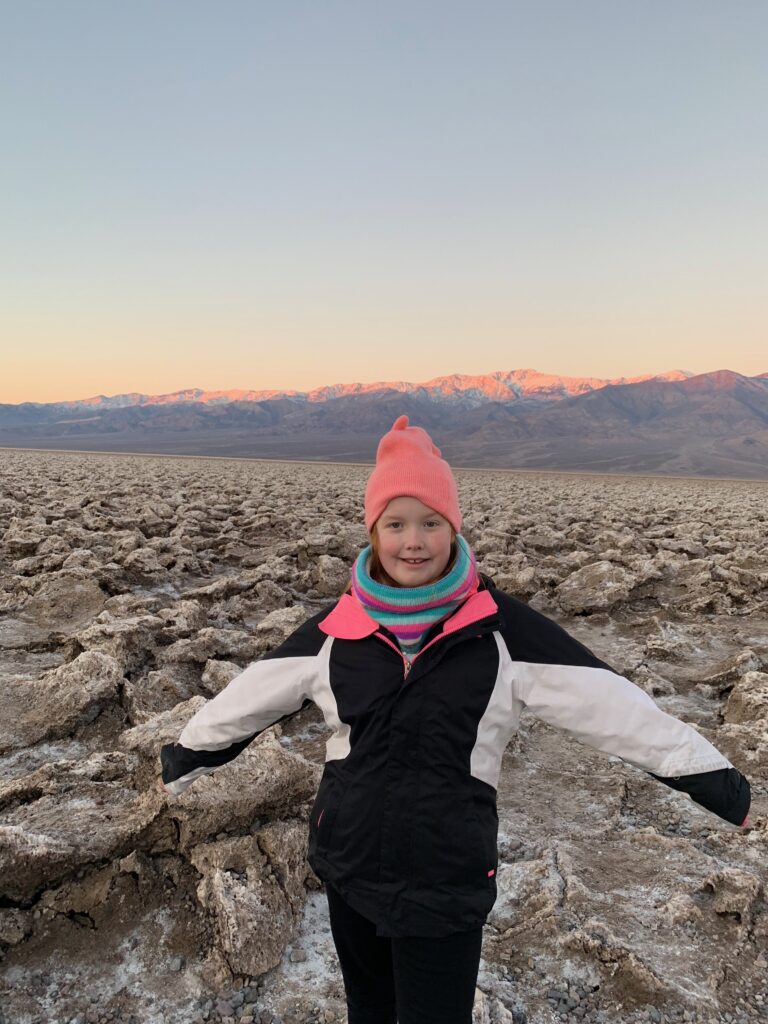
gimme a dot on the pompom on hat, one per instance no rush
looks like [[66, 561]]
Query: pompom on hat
[[408, 463]]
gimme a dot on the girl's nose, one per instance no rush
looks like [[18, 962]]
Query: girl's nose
[[413, 538]]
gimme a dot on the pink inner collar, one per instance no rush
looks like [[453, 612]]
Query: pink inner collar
[[348, 620]]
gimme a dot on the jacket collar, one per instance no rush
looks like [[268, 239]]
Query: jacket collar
[[348, 620]]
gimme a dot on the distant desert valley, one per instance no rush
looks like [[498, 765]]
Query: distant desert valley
[[134, 587], [674, 423]]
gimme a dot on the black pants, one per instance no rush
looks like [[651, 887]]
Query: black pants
[[409, 980]]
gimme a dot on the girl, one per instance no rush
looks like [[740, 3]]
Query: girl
[[421, 670]]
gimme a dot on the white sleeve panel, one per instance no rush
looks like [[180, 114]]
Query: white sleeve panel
[[610, 713], [499, 721], [337, 746], [262, 693]]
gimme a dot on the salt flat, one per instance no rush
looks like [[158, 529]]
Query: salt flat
[[132, 588]]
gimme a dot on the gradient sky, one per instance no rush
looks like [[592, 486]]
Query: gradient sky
[[289, 194]]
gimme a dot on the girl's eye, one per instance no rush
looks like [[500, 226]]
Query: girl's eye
[[395, 524]]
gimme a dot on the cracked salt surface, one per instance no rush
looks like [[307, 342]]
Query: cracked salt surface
[[665, 579]]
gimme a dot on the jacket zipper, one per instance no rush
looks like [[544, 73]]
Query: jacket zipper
[[407, 665]]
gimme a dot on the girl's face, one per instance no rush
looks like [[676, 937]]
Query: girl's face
[[413, 542]]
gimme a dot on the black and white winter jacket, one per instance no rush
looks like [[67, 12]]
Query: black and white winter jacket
[[404, 824]]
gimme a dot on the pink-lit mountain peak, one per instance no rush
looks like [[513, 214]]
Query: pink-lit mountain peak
[[499, 386], [469, 389]]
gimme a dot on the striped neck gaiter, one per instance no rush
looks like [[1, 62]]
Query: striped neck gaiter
[[409, 612]]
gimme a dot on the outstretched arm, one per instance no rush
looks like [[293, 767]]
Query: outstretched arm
[[267, 691], [599, 707], [563, 683]]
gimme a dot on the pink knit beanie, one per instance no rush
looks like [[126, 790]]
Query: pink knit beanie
[[407, 463]]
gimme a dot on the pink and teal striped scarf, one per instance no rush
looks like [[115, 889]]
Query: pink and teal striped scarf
[[409, 612]]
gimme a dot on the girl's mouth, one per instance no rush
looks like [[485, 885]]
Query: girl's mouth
[[414, 561]]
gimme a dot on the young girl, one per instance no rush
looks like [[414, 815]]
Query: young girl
[[421, 670]]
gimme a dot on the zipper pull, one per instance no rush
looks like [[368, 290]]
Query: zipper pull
[[407, 665]]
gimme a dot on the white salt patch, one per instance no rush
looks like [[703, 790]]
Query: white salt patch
[[22, 762], [318, 975]]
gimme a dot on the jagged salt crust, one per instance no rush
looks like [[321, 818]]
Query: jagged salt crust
[[132, 589]]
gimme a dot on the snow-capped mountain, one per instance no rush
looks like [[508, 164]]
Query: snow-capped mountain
[[713, 424], [469, 390]]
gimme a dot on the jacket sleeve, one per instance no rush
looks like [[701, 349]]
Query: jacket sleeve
[[269, 690], [564, 684]]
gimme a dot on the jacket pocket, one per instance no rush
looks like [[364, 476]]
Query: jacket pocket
[[486, 827], [330, 796]]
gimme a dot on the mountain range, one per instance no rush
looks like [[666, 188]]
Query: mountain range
[[502, 386], [677, 422]]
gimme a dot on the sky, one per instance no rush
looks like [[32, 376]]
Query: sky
[[286, 194]]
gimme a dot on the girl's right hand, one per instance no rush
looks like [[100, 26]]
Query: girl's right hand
[[745, 823]]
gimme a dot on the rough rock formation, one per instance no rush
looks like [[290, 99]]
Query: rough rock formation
[[132, 589]]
